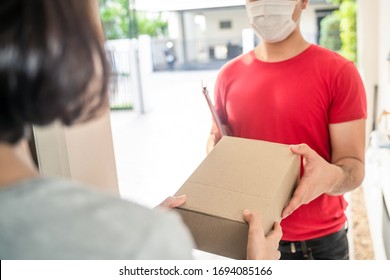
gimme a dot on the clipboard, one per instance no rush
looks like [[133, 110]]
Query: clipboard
[[216, 118]]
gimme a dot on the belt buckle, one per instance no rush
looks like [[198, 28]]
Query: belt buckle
[[292, 247]]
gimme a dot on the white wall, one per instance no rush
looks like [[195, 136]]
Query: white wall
[[83, 153], [199, 42], [383, 50], [190, 31], [367, 28], [239, 20], [176, 5], [309, 24], [373, 48]]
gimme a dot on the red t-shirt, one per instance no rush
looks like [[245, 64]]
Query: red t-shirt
[[293, 102]]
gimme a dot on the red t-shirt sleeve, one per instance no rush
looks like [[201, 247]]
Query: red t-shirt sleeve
[[348, 96]]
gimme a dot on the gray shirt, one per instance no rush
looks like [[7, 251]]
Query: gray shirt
[[58, 219]]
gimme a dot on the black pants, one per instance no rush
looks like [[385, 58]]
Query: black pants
[[330, 247]]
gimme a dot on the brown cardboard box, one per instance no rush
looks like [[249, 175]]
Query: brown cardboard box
[[238, 174]]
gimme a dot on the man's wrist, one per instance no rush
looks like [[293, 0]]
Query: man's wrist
[[350, 176], [339, 175]]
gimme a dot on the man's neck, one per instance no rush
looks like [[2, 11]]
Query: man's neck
[[289, 48], [16, 164]]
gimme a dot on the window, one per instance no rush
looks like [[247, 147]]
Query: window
[[200, 22], [225, 24]]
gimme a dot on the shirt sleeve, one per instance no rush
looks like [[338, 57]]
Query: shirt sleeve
[[348, 96]]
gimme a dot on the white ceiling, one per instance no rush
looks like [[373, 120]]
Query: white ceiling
[[175, 5]]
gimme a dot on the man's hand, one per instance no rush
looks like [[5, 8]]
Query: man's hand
[[342, 174], [173, 202], [215, 136], [319, 177], [261, 247]]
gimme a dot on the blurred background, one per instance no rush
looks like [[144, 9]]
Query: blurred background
[[161, 51]]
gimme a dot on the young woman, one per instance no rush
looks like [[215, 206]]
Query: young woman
[[53, 67]]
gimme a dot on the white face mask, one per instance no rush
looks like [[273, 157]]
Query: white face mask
[[272, 19]]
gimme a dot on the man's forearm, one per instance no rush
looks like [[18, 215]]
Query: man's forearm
[[351, 175]]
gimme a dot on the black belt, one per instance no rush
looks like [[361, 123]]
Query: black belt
[[302, 246]]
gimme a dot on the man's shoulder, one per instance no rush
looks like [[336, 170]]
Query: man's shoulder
[[323, 54], [236, 67], [236, 63]]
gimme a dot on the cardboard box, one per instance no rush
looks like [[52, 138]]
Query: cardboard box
[[238, 174]]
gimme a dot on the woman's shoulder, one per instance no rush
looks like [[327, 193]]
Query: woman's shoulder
[[85, 223]]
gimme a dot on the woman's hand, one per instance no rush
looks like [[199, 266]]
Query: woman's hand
[[173, 202], [261, 247]]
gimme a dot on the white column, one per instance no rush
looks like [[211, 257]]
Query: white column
[[373, 43], [383, 50], [190, 31], [367, 29], [145, 54], [136, 77]]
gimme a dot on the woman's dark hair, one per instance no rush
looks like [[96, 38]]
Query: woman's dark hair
[[52, 64]]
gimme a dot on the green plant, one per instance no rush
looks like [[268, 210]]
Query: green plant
[[153, 27], [348, 35], [330, 32], [122, 107], [119, 21], [348, 29], [115, 19]]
